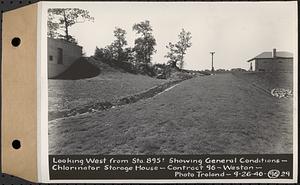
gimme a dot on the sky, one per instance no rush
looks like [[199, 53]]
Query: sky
[[235, 31]]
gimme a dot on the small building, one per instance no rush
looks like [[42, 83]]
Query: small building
[[276, 61], [61, 55]]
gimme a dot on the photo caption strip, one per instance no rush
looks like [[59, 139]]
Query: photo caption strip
[[266, 166]]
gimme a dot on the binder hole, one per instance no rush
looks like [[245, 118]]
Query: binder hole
[[16, 144], [16, 41]]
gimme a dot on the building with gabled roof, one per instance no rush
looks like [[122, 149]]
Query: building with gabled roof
[[276, 61]]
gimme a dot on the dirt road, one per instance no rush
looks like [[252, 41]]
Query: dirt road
[[219, 114]]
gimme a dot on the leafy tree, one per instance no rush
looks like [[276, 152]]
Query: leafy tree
[[103, 54], [118, 50], [129, 56], [144, 45], [63, 19], [178, 50], [172, 55], [52, 27]]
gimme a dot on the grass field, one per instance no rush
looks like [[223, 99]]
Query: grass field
[[268, 80], [68, 94], [219, 114]]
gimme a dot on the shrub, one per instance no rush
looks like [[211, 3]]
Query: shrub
[[146, 69], [103, 54], [162, 71]]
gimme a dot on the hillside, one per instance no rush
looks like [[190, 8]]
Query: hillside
[[80, 69], [268, 81], [110, 84]]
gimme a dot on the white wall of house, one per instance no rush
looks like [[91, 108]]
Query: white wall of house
[[61, 55]]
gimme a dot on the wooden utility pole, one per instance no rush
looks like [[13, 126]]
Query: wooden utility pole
[[212, 61]]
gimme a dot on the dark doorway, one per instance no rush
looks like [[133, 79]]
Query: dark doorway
[[59, 56]]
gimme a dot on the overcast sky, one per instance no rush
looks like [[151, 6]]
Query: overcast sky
[[235, 31]]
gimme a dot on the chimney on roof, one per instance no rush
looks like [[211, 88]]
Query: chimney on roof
[[274, 53]]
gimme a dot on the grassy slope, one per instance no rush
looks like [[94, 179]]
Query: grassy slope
[[211, 114], [269, 80], [109, 85]]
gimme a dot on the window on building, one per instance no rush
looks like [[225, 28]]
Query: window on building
[[279, 61], [51, 58], [59, 56]]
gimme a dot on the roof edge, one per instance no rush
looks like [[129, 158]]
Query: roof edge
[[251, 59], [270, 58]]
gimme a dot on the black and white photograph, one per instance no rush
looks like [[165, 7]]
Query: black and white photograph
[[171, 78]]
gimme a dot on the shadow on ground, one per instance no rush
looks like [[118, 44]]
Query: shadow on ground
[[80, 69]]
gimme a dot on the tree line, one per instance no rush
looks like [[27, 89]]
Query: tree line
[[136, 59]]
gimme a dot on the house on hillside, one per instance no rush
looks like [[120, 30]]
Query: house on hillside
[[276, 61], [61, 55]]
